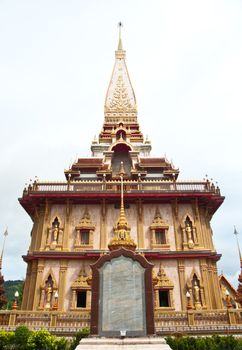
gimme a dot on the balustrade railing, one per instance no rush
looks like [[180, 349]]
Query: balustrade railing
[[166, 322], [130, 186], [74, 320], [33, 319], [211, 317]]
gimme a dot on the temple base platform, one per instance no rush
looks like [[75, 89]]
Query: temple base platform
[[146, 343]]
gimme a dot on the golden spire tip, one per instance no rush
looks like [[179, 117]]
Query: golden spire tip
[[120, 45]]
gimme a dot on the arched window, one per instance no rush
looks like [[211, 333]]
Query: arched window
[[121, 154]]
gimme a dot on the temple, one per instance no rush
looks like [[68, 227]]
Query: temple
[[122, 203]]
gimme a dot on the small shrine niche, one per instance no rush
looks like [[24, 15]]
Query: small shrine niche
[[196, 291], [54, 239], [81, 291], [84, 233], [159, 233], [189, 234], [48, 294], [163, 290]]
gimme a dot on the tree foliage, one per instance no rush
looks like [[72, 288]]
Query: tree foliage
[[10, 288], [84, 333], [24, 339]]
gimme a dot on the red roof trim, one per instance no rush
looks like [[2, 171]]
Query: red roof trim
[[95, 255]]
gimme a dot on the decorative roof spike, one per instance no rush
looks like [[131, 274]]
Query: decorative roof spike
[[5, 235], [3, 299], [120, 45], [239, 289], [120, 53], [236, 235]]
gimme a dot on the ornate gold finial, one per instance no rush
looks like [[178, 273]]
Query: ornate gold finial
[[120, 45], [120, 53], [94, 139], [122, 230]]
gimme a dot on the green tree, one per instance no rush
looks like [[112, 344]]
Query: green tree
[[43, 340], [21, 337], [84, 333]]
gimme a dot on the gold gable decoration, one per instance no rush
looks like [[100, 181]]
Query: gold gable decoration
[[81, 284], [161, 280], [162, 283], [83, 280], [84, 233], [120, 100], [159, 232], [228, 293], [85, 222], [158, 221]]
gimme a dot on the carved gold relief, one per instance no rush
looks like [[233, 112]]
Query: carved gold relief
[[163, 287], [120, 100], [189, 233], [159, 233], [48, 292], [196, 290], [84, 233], [54, 239], [82, 285]]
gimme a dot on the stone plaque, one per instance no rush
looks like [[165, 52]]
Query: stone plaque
[[122, 298], [122, 295]]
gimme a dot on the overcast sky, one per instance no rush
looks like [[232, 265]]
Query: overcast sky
[[185, 64]]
